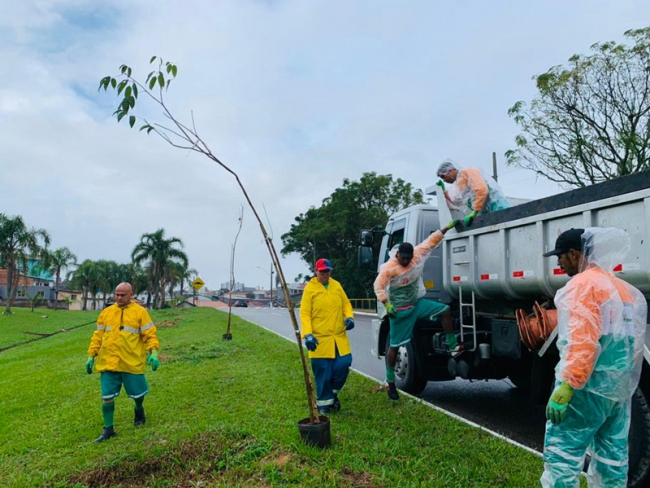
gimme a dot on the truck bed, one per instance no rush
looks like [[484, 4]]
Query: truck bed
[[500, 258], [579, 196]]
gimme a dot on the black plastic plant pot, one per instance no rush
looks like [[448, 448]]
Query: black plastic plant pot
[[227, 337], [317, 435]]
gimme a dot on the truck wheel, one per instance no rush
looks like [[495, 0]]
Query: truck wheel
[[407, 377], [639, 441]]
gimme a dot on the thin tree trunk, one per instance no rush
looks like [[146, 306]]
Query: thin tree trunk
[[10, 285], [57, 285]]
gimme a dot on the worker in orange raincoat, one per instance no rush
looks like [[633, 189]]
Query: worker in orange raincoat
[[601, 333], [326, 316], [123, 344], [472, 189], [400, 288]]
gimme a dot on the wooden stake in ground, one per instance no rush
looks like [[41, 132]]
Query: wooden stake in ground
[[184, 137]]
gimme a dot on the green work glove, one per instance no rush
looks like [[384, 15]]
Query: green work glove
[[390, 310], [557, 405], [441, 184], [89, 364], [452, 224], [469, 218], [153, 359]]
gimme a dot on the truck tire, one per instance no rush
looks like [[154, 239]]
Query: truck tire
[[639, 441], [407, 377]]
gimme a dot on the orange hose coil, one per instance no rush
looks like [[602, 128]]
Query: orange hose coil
[[534, 329]]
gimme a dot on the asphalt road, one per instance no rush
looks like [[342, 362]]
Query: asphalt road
[[496, 405]]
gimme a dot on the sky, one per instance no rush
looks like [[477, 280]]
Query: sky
[[293, 95]]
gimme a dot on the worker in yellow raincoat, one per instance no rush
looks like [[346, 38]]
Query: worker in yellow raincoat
[[123, 344], [326, 316]]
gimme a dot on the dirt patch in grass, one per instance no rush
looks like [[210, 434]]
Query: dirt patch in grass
[[214, 458], [167, 323], [352, 478], [211, 458]]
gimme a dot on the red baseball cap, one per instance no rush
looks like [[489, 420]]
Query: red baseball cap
[[323, 264]]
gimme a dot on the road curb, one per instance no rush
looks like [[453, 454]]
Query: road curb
[[427, 404]]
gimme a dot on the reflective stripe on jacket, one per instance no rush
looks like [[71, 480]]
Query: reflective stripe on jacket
[[122, 339], [322, 312]]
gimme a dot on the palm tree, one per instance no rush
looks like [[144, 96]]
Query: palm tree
[[84, 278], [107, 277], [17, 243], [55, 262], [178, 275], [158, 254], [137, 276]]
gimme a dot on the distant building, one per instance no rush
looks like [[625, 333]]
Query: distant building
[[238, 286]]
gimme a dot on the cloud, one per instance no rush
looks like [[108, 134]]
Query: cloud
[[295, 96]]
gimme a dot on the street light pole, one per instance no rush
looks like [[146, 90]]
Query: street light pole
[[270, 284]]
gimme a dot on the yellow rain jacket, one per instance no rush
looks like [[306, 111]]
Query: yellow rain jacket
[[322, 312], [122, 339]]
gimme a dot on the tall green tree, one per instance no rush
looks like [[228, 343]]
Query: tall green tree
[[17, 244], [55, 262], [84, 278], [332, 230], [590, 121], [177, 276], [158, 253]]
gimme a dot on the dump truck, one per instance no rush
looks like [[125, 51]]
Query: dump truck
[[500, 290]]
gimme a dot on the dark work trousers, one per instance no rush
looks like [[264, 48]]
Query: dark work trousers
[[330, 375]]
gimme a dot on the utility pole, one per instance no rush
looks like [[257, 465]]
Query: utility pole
[[494, 167]]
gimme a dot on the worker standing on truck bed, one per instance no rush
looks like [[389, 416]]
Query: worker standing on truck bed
[[472, 189], [400, 288], [602, 324]]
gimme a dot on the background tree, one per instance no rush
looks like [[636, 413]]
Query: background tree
[[138, 277], [590, 121], [17, 244], [55, 262], [158, 253], [84, 278], [332, 230]]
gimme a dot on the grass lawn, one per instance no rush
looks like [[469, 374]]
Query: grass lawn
[[223, 414], [24, 326]]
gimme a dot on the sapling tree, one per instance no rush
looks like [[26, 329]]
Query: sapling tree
[[186, 136], [228, 336]]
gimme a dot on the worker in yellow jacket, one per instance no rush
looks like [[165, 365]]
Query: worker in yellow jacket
[[123, 344], [326, 316]]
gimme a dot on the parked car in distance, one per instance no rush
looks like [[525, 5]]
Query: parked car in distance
[[241, 303]]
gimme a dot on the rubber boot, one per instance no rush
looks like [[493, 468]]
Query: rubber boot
[[107, 433], [392, 391], [139, 418]]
